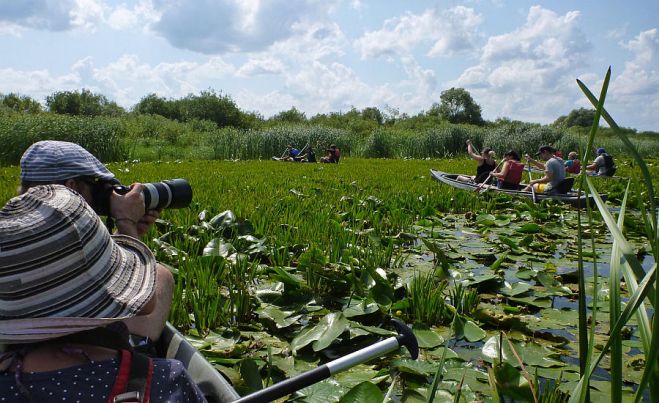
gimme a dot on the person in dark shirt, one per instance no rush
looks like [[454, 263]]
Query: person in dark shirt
[[65, 279], [486, 164]]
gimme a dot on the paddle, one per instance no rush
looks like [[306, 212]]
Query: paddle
[[530, 179], [478, 188], [405, 338]]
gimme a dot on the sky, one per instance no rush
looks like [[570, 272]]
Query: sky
[[518, 59]]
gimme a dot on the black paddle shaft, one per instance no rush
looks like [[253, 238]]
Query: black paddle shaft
[[286, 387]]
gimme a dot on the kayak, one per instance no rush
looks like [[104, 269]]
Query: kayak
[[216, 389], [571, 197]]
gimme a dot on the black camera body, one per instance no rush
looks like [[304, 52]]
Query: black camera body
[[172, 193]]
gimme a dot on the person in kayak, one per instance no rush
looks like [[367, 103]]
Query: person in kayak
[[67, 286], [554, 171], [486, 164], [603, 164], [69, 164], [572, 164], [511, 171]]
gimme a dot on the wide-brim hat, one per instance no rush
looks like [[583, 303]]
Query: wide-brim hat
[[51, 161], [61, 271]]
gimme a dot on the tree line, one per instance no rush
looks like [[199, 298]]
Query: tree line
[[456, 106]]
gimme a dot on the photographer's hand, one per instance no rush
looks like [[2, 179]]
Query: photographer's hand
[[127, 210], [147, 220]]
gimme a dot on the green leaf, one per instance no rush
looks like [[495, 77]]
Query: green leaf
[[249, 371], [281, 318], [219, 247], [487, 220], [365, 392], [415, 367], [426, 337], [223, 220], [529, 228], [323, 334]]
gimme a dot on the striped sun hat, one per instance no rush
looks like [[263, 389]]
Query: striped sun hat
[[54, 161], [60, 270]]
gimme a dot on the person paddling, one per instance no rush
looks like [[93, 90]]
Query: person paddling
[[554, 171], [511, 172], [486, 164]]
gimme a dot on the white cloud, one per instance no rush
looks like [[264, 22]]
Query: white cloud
[[634, 91], [36, 83], [128, 79], [122, 18], [261, 66], [526, 73], [450, 32], [87, 14]]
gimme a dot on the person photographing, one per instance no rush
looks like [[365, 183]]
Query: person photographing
[[69, 164]]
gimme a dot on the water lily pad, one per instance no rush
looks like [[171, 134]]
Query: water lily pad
[[365, 392], [323, 334], [360, 308], [514, 289], [324, 391], [415, 367], [529, 228], [426, 337], [281, 318]]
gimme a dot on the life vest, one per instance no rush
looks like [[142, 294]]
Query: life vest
[[574, 167], [514, 174]]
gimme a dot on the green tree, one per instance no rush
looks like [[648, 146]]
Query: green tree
[[20, 103], [373, 113], [290, 116], [83, 103], [155, 105], [581, 117], [457, 106]]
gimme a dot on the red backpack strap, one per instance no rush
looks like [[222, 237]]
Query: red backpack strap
[[133, 382]]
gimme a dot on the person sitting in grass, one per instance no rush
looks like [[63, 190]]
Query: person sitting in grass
[[511, 172], [309, 156], [486, 164], [291, 153], [572, 164], [333, 155], [554, 171]]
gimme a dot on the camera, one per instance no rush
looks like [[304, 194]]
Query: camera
[[171, 193]]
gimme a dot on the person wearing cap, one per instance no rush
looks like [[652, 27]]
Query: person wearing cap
[[603, 164], [69, 164], [65, 286], [554, 171]]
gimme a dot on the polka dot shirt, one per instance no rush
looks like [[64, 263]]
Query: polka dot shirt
[[92, 382]]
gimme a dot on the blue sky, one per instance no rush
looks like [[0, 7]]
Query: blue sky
[[518, 59]]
